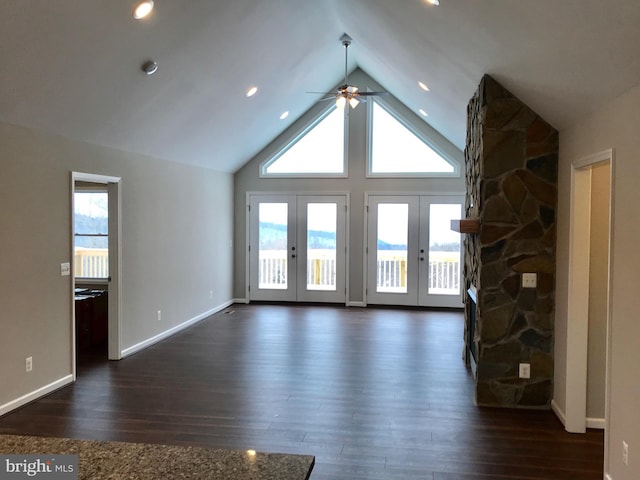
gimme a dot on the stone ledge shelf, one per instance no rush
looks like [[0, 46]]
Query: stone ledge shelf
[[466, 225]]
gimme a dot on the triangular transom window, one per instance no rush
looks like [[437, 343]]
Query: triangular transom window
[[396, 150], [317, 151]]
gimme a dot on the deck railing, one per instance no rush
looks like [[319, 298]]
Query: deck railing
[[444, 273], [321, 269], [444, 270], [91, 262]]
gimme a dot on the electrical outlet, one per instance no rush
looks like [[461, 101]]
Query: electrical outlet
[[159, 315], [28, 364], [529, 280], [625, 453], [525, 370]]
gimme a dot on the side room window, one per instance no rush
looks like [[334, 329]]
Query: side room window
[[91, 233]]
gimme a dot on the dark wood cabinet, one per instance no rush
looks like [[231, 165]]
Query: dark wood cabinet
[[91, 318]]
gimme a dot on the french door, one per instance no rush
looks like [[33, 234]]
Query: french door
[[413, 256], [297, 248]]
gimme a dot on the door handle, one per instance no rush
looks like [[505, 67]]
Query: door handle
[[293, 255]]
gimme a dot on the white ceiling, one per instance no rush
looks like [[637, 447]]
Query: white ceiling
[[73, 67]]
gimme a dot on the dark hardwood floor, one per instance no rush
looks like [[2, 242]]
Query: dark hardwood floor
[[372, 393]]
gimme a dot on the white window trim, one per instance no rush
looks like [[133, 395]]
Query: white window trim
[[297, 137], [421, 135]]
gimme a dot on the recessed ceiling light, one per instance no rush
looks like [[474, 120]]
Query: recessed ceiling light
[[284, 115], [423, 86], [149, 67], [423, 113], [434, 2], [142, 9], [252, 91]]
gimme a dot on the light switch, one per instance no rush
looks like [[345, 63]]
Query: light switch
[[529, 280], [65, 269]]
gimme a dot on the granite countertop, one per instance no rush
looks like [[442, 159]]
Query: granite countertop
[[120, 460]]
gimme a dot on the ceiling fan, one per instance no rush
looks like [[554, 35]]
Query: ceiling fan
[[348, 93]]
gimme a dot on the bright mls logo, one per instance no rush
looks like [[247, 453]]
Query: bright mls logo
[[51, 467]]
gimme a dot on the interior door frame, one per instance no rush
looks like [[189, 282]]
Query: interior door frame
[[115, 263], [578, 289]]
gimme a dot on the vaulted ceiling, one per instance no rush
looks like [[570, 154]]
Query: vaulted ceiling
[[73, 67]]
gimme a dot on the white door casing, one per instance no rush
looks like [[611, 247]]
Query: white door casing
[[575, 413]]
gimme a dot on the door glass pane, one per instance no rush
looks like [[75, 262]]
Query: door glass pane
[[272, 245], [444, 250], [392, 241], [322, 222]]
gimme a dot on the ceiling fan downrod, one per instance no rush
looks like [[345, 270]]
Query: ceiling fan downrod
[[346, 41]]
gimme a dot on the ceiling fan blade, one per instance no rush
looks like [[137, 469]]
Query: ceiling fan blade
[[371, 94]]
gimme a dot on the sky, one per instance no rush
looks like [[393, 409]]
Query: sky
[[91, 204]]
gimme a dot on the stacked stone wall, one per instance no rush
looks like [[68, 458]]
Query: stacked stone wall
[[511, 174]]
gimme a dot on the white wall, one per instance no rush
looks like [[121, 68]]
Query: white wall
[[176, 247], [615, 125]]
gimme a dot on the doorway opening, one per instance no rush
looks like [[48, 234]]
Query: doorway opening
[[95, 213], [589, 300]]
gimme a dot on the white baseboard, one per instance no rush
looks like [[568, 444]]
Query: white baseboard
[[349, 304], [598, 423], [36, 394], [172, 331], [559, 412]]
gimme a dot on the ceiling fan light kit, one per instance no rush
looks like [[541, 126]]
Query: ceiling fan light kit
[[142, 9]]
